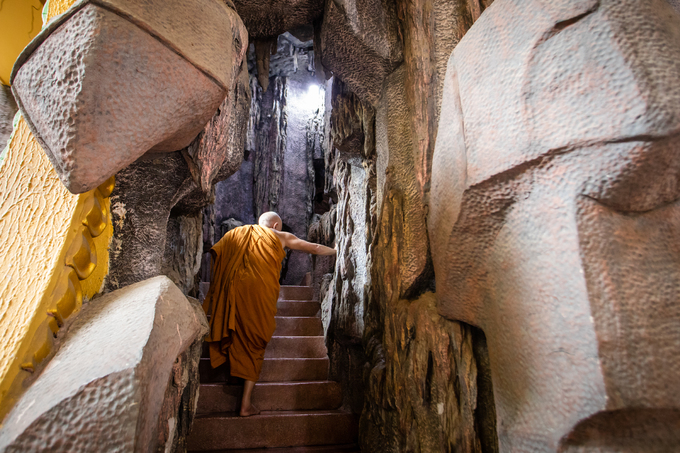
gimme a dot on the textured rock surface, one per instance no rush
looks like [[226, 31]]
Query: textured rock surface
[[113, 384], [403, 232], [350, 224], [556, 216], [424, 381], [270, 143], [183, 250], [305, 112], [266, 18], [100, 91], [431, 29], [217, 152], [141, 204], [8, 108], [360, 43], [422, 391]]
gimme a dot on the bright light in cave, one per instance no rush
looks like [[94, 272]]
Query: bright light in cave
[[312, 99]]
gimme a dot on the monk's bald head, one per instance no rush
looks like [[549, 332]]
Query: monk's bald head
[[270, 219]]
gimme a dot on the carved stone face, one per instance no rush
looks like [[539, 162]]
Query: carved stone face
[[110, 80], [555, 220]]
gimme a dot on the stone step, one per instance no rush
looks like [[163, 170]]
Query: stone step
[[272, 396], [272, 430], [351, 448], [303, 326], [288, 346], [296, 293], [298, 325], [286, 292], [273, 370], [297, 308], [296, 347]]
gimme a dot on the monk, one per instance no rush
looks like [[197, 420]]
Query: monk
[[241, 301]]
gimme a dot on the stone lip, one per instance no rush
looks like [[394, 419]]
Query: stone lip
[[105, 385], [191, 42]]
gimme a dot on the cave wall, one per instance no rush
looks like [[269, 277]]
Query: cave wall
[[284, 134], [420, 381]]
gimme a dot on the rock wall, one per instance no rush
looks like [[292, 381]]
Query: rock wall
[[284, 134], [8, 108], [420, 381], [141, 398]]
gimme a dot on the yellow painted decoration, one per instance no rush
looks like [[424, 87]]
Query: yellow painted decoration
[[82, 254], [106, 189], [57, 7], [57, 244], [55, 249], [54, 327], [95, 217], [44, 350], [20, 21], [53, 313], [68, 294]]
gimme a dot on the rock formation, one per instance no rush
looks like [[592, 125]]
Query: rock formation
[[360, 42], [499, 179], [141, 398], [8, 108], [266, 18], [553, 214], [109, 80]]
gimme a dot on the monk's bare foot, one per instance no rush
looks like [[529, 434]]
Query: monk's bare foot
[[248, 411]]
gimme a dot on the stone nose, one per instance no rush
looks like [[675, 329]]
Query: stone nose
[[608, 75]]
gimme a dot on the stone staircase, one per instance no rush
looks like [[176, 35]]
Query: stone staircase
[[299, 404]]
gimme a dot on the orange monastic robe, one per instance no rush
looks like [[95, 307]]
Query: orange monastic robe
[[242, 298]]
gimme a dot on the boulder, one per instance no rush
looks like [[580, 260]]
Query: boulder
[[125, 377], [109, 80], [553, 217]]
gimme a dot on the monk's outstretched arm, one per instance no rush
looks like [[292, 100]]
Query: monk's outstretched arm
[[295, 243]]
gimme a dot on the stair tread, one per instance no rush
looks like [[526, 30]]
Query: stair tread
[[280, 317], [272, 396], [272, 429], [298, 301], [275, 414], [297, 346], [274, 369], [273, 383], [347, 448], [296, 336]]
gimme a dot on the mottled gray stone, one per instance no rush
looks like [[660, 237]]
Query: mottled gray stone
[[141, 203], [183, 250], [105, 388], [360, 43], [267, 18], [295, 207], [8, 108]]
